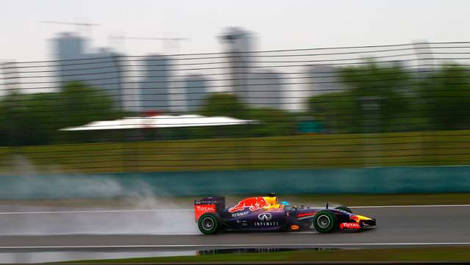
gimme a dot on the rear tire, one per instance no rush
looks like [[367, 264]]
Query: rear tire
[[209, 223], [344, 208], [324, 221]]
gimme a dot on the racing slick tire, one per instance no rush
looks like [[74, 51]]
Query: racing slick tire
[[324, 221], [209, 223], [344, 208]]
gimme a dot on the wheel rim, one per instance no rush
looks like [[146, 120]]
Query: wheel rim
[[208, 224], [323, 221]]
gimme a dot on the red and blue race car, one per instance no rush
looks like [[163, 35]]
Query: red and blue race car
[[264, 213]]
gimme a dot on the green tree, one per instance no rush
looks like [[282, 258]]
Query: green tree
[[31, 119], [337, 112], [273, 122], [374, 100], [445, 95], [224, 104], [28, 119], [81, 104], [379, 95]]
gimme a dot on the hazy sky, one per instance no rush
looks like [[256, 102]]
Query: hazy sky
[[279, 24]]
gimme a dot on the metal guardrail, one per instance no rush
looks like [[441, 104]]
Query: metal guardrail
[[322, 181]]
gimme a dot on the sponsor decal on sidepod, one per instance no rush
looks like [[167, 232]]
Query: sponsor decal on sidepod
[[255, 203], [265, 217]]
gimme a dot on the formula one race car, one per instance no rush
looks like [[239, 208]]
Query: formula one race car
[[264, 213]]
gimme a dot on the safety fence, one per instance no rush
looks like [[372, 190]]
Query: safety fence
[[348, 107]]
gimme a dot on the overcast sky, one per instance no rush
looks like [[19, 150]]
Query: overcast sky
[[279, 24]]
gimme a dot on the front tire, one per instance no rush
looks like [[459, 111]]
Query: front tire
[[324, 221], [209, 223]]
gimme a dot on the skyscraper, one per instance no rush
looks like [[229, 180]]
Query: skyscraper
[[266, 89], [323, 79], [239, 43], [252, 85], [155, 85], [69, 46], [100, 69], [196, 91]]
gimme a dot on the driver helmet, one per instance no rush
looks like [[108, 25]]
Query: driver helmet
[[271, 199]]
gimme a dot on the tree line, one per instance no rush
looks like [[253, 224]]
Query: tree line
[[376, 98], [32, 119], [36, 119], [388, 98]]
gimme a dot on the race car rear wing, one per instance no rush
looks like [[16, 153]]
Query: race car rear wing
[[208, 205]]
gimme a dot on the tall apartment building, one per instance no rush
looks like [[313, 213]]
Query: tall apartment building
[[155, 84], [323, 79], [196, 91], [100, 69], [238, 45], [266, 89]]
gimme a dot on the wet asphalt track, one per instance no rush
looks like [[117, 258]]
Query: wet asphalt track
[[396, 227]]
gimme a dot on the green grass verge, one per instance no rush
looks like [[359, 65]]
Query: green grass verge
[[286, 152], [395, 254]]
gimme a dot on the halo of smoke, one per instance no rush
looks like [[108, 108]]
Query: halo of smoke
[[168, 219]]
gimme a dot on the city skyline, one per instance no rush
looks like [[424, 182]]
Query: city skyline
[[261, 79], [162, 85]]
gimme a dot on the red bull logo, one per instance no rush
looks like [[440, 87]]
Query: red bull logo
[[254, 204]]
